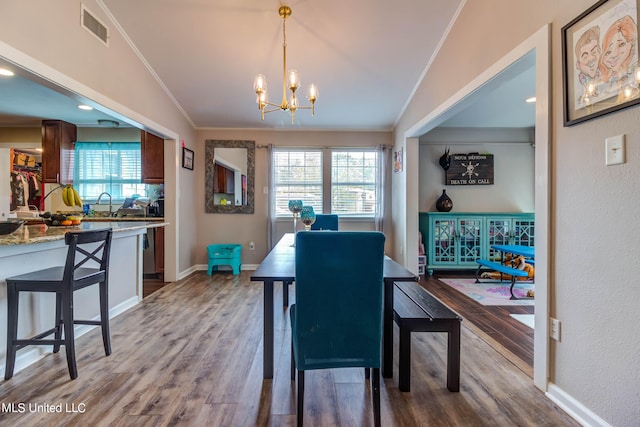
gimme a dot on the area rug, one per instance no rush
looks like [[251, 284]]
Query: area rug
[[491, 293], [525, 319]]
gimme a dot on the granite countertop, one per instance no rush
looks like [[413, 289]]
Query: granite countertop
[[39, 233], [121, 218]]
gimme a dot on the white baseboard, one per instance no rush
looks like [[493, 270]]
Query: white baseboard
[[189, 270], [575, 409], [38, 352]]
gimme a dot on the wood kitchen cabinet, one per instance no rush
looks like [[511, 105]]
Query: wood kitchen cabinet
[[224, 180], [159, 249], [152, 156], [57, 151]]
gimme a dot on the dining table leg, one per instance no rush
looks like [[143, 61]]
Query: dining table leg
[[387, 330], [267, 357], [285, 293]]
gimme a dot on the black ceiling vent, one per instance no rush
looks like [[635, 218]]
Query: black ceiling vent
[[94, 26]]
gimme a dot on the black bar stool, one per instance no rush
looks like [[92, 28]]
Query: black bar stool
[[84, 247]]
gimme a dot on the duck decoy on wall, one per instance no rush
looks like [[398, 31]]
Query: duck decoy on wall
[[445, 159]]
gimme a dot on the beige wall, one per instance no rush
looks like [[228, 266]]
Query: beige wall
[[244, 228], [46, 37], [594, 370], [594, 208], [513, 156]]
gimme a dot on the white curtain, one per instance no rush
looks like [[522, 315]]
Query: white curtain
[[381, 182], [271, 220]]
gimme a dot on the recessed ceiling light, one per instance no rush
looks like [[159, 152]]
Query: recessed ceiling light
[[85, 107], [530, 100], [5, 72]]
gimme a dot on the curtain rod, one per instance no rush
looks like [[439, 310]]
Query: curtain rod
[[384, 146]]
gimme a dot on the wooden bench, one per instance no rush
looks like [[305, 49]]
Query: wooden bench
[[416, 310], [502, 269]]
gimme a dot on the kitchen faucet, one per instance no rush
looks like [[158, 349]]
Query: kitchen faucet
[[110, 200]]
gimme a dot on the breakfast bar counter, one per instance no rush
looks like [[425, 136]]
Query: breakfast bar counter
[[40, 233], [38, 246]]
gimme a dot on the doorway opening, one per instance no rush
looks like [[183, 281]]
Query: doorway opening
[[535, 48]]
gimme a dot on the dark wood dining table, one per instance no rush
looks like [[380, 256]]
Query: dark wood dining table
[[279, 266]]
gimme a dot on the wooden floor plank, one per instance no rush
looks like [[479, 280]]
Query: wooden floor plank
[[492, 322], [190, 354]]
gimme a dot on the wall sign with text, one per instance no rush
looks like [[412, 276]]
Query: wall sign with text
[[470, 169]]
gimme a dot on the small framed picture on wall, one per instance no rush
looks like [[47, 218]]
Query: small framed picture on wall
[[187, 158]]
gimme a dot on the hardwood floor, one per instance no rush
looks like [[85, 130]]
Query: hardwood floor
[[152, 283], [493, 323], [191, 354]]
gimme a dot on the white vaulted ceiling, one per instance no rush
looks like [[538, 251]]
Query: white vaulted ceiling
[[366, 56]]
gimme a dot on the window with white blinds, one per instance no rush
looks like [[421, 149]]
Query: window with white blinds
[[112, 167], [351, 187], [353, 182], [297, 175]]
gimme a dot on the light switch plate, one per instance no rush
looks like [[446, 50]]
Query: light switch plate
[[615, 150], [554, 331]]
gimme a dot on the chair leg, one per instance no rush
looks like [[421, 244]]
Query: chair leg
[[58, 335], [300, 397], [376, 396], [293, 363], [12, 330], [367, 373], [104, 317], [69, 345]]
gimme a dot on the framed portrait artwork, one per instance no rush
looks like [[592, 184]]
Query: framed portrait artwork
[[187, 158], [600, 61]]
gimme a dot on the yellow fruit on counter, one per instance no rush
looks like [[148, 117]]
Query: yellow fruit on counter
[[70, 196], [77, 201], [65, 196]]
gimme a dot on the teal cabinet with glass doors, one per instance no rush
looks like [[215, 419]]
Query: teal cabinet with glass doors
[[457, 240]]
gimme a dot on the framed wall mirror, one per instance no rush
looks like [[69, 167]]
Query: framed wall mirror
[[229, 176]]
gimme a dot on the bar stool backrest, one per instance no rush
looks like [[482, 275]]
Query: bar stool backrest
[[83, 253]]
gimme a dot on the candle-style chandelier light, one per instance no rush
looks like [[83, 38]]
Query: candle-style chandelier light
[[290, 80]]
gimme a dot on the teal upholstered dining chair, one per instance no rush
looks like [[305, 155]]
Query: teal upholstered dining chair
[[336, 321], [325, 222]]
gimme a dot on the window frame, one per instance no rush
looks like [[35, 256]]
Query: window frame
[[136, 181], [326, 178], [374, 184], [283, 212]]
